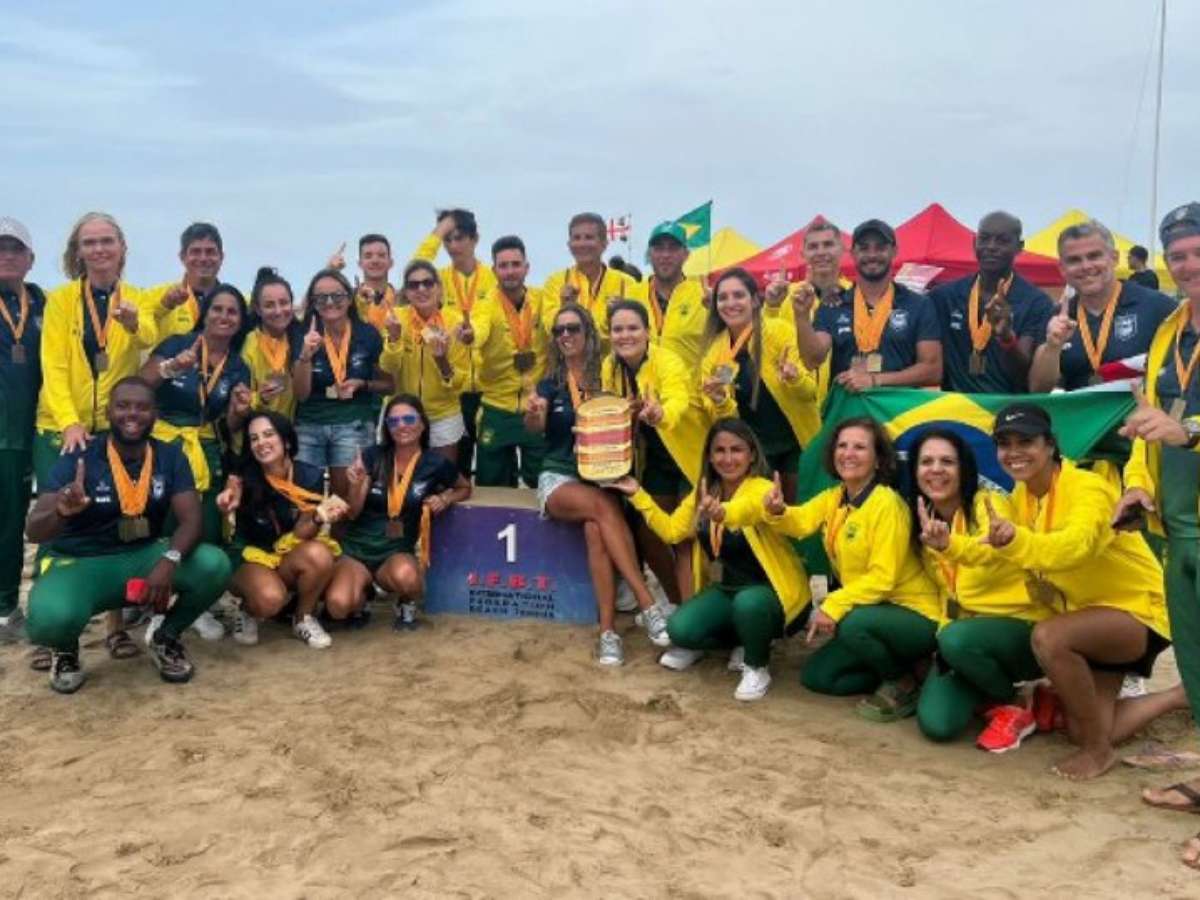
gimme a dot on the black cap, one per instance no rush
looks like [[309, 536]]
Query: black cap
[[1022, 418], [874, 226], [1181, 222]]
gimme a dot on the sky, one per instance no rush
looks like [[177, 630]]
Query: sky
[[296, 126]]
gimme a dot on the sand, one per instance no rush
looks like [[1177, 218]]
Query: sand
[[478, 758]]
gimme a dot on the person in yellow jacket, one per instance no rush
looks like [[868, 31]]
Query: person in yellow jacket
[[434, 362], [465, 282], [508, 335], [176, 304], [374, 297], [759, 587], [96, 326], [1165, 429], [590, 283], [1104, 586], [883, 618], [267, 349], [670, 430], [987, 615], [751, 370], [676, 305]]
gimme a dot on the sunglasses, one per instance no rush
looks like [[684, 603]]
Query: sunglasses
[[330, 299], [420, 284], [568, 328], [402, 419]]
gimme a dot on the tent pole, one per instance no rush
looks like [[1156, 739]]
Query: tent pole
[[1162, 51]]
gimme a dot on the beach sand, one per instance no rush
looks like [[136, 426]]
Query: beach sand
[[478, 758]]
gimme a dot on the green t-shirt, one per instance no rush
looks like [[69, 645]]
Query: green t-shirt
[[1179, 476], [20, 381], [765, 419], [179, 398], [363, 359]]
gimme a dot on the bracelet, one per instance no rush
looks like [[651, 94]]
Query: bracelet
[[165, 370]]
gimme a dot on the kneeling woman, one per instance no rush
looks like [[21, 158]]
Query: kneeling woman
[[1104, 586], [574, 375], [279, 531], [759, 584], [395, 489], [883, 617], [987, 615]]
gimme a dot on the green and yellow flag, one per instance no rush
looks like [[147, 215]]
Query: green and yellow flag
[[697, 225]]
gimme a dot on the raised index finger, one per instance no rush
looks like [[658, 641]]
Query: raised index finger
[[79, 472], [991, 510]]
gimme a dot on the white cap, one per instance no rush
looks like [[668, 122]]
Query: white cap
[[10, 227]]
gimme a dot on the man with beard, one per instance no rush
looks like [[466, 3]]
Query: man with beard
[[878, 334], [22, 305], [991, 321], [677, 305], [177, 304], [508, 333], [101, 516]]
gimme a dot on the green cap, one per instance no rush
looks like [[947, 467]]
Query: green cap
[[669, 229]]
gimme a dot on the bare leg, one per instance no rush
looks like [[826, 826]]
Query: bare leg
[[308, 566], [603, 583], [400, 574], [262, 592], [347, 588], [1135, 713]]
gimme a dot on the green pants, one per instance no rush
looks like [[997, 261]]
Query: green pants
[[73, 589], [468, 403], [719, 618], [873, 644], [16, 484], [1183, 608], [501, 434], [983, 658], [47, 448]]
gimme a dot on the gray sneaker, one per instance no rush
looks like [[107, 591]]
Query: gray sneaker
[[609, 650], [655, 622], [66, 674], [12, 627]]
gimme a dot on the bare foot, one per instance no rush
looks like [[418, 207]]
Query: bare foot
[[1085, 764], [1191, 852], [1182, 797]]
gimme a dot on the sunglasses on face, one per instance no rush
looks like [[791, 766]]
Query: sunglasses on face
[[420, 284], [402, 419], [330, 299], [568, 328]]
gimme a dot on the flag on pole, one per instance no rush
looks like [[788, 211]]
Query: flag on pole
[[697, 225], [620, 227]]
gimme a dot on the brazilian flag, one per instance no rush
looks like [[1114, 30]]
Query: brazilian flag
[[697, 225], [1082, 421]]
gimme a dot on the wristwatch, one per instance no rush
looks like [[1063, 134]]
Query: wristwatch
[[173, 555], [1192, 427]]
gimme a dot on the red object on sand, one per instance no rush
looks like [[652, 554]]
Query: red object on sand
[[136, 590]]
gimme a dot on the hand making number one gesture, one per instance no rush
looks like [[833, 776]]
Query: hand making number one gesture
[[773, 501], [73, 498], [935, 534], [1000, 531]]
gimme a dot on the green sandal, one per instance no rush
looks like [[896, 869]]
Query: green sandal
[[889, 703]]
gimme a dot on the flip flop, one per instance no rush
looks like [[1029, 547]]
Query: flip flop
[[1192, 795], [120, 645], [40, 659], [889, 703], [1158, 757]]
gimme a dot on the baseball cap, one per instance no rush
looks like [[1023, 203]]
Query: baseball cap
[[1022, 418], [10, 227], [671, 230], [874, 226], [1181, 222]]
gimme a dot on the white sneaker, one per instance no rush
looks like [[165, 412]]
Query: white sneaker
[[207, 626], [654, 620], [679, 658], [151, 627], [309, 630], [737, 659], [245, 628], [1132, 686], [610, 651], [626, 602], [754, 684]]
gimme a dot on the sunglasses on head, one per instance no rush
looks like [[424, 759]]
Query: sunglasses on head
[[418, 284], [402, 419], [566, 328], [330, 299]]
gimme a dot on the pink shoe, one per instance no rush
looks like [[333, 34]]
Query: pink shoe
[[1008, 726]]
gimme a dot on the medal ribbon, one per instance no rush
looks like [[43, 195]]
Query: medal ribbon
[[339, 355], [1184, 373], [398, 489], [573, 387], [716, 534], [304, 500], [193, 304], [377, 312], [274, 350], [1095, 350], [588, 289], [656, 312], [132, 497], [464, 292], [735, 347], [950, 571], [520, 325], [869, 324], [114, 300], [208, 382], [19, 328], [416, 324], [1031, 507], [981, 326]]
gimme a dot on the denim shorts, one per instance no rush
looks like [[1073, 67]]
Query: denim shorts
[[333, 445], [548, 483]]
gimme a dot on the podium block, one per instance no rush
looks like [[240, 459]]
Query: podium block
[[495, 556]]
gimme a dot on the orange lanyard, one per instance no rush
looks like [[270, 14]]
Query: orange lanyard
[[338, 355], [464, 293], [274, 350], [19, 328], [869, 324], [520, 325], [193, 304], [981, 327], [1184, 373], [114, 300], [652, 301], [304, 500], [377, 312], [132, 497], [207, 383], [417, 325], [950, 572], [573, 387], [590, 289], [716, 535], [735, 347], [398, 489], [1095, 350], [1031, 506]]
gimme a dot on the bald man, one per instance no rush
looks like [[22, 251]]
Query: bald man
[[992, 321]]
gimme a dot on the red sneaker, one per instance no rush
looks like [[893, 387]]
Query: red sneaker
[[1047, 710], [1009, 726]]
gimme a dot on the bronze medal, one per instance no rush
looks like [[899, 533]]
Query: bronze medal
[[395, 529], [133, 528], [1178, 409], [523, 361], [1043, 592], [716, 571], [976, 366], [724, 374], [101, 361], [874, 363], [859, 361], [331, 392], [18, 355]]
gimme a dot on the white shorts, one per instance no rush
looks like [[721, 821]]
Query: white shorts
[[446, 432], [548, 483]]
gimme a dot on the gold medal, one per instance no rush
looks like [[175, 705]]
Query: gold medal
[[976, 366], [523, 361], [101, 361], [331, 392], [723, 374], [874, 363], [133, 528], [395, 529], [18, 355]]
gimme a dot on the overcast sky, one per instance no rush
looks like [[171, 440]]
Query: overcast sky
[[296, 125]]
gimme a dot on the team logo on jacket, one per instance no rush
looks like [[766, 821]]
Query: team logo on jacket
[[158, 487], [899, 319], [1125, 327], [851, 530]]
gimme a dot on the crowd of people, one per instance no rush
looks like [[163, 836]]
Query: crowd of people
[[187, 440]]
